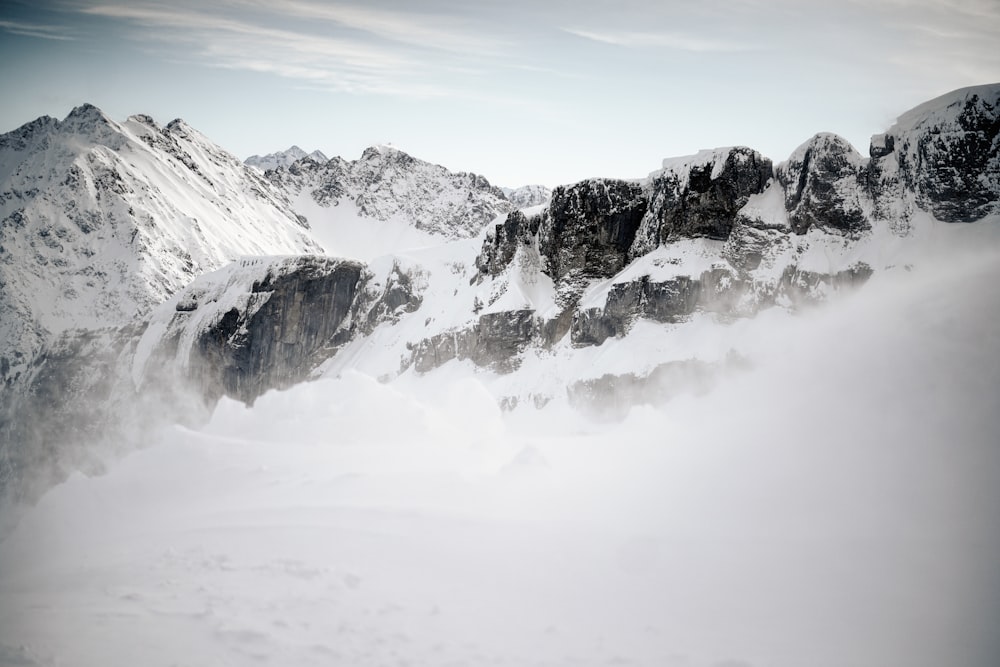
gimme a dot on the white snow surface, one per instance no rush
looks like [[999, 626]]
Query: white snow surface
[[832, 504], [344, 231]]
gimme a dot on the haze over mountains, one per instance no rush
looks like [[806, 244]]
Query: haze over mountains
[[157, 291]]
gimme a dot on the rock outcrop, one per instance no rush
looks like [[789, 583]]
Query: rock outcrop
[[494, 340], [588, 228], [267, 323], [699, 196], [821, 184], [942, 156]]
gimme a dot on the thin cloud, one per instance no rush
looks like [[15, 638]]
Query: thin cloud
[[337, 62], [659, 40], [416, 29], [35, 30]]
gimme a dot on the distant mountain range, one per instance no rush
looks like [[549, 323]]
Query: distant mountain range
[[146, 272], [284, 158]]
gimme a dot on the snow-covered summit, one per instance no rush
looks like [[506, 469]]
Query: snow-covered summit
[[946, 108], [101, 220], [283, 158], [945, 154], [528, 196]]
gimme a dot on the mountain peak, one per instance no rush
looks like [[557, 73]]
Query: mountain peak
[[947, 106], [86, 110], [87, 116], [379, 150], [285, 158]]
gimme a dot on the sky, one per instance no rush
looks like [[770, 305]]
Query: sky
[[521, 91]]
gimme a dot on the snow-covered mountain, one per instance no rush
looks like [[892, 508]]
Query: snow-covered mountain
[[607, 293], [100, 221], [283, 158], [387, 200], [528, 196]]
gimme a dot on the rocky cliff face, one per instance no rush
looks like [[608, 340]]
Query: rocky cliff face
[[821, 183], [588, 228], [699, 196], [786, 235], [942, 156], [266, 323]]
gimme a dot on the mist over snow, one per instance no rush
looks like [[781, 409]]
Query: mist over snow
[[831, 502]]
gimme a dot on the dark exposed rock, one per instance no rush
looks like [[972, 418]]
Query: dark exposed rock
[[495, 340], [718, 290], [588, 228], [947, 151], [700, 196], [501, 243], [821, 186], [294, 318], [663, 301]]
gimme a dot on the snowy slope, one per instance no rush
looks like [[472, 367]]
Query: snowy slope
[[101, 220]]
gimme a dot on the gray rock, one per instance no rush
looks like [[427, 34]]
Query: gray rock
[[495, 340], [502, 242], [589, 227], [699, 197], [947, 152], [664, 301], [297, 315], [821, 182]]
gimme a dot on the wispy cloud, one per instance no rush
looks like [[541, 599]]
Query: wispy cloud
[[432, 31], [666, 40], [339, 62], [36, 30], [344, 48]]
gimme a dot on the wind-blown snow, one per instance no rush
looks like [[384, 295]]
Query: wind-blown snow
[[832, 504]]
